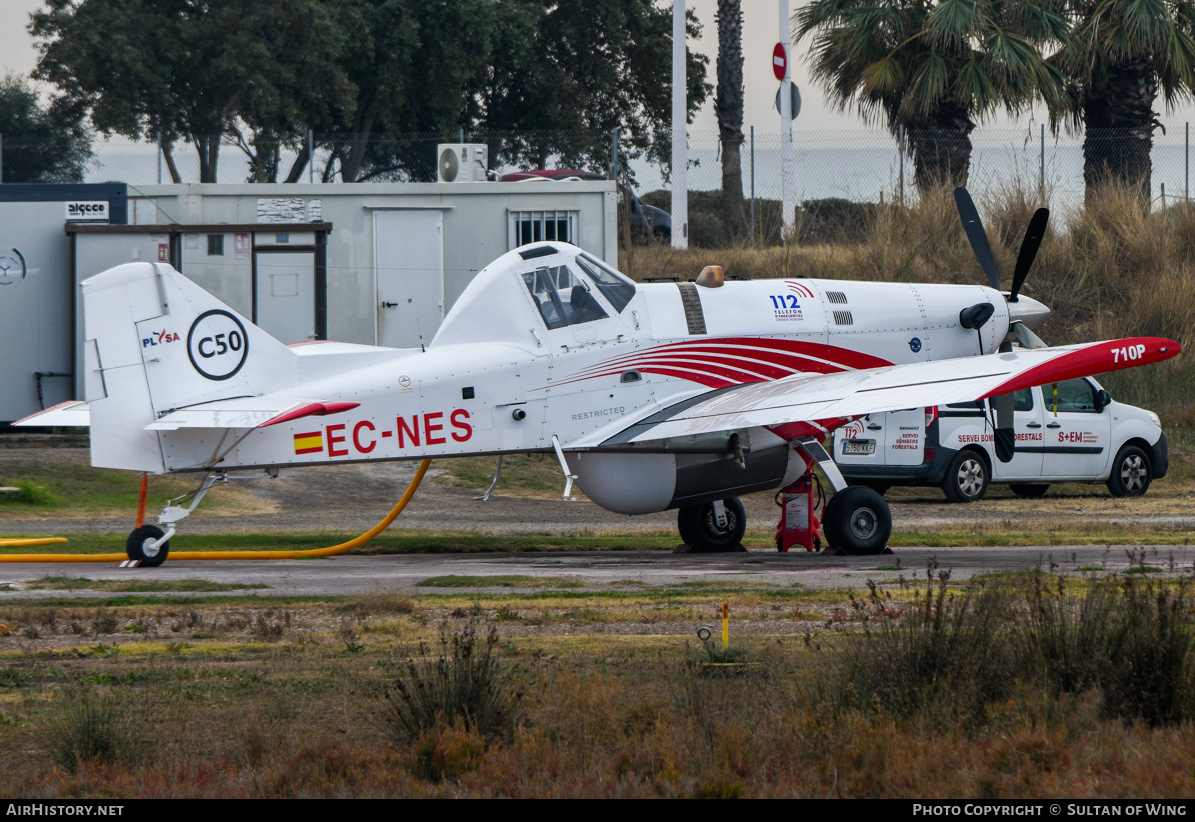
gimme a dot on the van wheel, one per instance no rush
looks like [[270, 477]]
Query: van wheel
[[1131, 473], [966, 479], [858, 521], [1028, 491]]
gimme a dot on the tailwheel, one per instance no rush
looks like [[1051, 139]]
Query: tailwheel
[[143, 546], [713, 526], [857, 520]]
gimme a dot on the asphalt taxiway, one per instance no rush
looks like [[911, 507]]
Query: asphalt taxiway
[[348, 574]]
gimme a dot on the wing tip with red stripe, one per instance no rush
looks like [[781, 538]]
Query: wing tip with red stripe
[[1096, 358]]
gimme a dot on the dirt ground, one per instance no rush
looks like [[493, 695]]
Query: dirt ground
[[355, 497]]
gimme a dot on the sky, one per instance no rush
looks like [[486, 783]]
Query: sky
[[761, 24]]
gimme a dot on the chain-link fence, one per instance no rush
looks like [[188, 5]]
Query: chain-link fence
[[863, 165]]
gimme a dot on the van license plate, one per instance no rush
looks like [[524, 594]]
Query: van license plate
[[864, 447]]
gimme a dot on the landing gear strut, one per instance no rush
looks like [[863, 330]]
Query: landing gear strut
[[856, 520], [149, 545]]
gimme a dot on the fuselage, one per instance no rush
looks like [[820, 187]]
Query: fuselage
[[516, 363]]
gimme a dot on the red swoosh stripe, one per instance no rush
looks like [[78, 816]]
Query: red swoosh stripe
[[734, 360]]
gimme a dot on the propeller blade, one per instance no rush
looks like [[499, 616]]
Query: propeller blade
[[1029, 246], [977, 236]]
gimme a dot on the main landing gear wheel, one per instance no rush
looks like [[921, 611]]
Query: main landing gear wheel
[[966, 479], [1131, 473], [699, 528], [857, 520], [138, 546]]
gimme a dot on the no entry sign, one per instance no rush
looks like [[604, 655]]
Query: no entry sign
[[779, 61]]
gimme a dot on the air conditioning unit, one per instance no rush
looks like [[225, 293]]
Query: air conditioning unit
[[461, 162]]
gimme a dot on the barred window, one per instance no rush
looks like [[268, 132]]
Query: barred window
[[537, 226]]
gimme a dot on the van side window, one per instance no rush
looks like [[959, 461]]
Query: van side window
[[1073, 395], [1023, 399]]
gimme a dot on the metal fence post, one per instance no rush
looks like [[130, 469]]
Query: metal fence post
[[1, 158], [1187, 165], [614, 154], [753, 185], [1042, 178], [159, 158], [310, 156], [900, 151]]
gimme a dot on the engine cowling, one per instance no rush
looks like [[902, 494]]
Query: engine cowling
[[643, 483]]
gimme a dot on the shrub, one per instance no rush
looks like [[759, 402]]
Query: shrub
[[1130, 639], [89, 728], [946, 657], [460, 682]]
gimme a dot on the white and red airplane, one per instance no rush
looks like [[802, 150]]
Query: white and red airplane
[[651, 396]]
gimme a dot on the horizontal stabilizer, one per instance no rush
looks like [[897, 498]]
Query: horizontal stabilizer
[[246, 412], [70, 414]]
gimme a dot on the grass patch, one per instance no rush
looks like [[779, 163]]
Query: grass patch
[[91, 728], [28, 494], [498, 581], [631, 712], [62, 583], [73, 487]]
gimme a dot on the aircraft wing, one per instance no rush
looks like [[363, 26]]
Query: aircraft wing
[[812, 397], [69, 414], [246, 412]]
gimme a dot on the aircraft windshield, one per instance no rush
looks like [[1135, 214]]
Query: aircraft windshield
[[616, 288], [563, 299]]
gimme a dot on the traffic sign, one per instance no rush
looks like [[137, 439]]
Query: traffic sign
[[795, 97], [779, 61]]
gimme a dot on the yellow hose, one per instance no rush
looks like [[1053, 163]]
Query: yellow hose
[[209, 555], [22, 543]]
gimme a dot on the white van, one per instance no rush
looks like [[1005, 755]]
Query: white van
[[1072, 431]]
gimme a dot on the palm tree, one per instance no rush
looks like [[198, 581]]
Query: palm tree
[[1120, 55], [728, 106], [935, 67]]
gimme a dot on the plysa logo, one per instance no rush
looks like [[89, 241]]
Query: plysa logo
[[217, 344], [13, 270], [87, 211]]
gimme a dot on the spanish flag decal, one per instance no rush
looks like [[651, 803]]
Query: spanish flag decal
[[309, 443]]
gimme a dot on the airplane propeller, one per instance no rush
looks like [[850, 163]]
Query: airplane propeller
[[1020, 311]]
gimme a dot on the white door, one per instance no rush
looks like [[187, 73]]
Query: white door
[[285, 295], [1030, 434], [1078, 431], [408, 253]]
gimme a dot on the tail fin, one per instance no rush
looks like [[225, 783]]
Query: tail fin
[[154, 342]]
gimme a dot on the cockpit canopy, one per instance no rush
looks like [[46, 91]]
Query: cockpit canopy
[[560, 283]]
